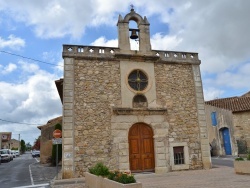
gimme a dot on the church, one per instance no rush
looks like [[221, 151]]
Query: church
[[139, 110]]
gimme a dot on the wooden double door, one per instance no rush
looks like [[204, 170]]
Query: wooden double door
[[141, 148]]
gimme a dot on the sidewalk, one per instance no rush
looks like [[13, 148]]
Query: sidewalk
[[218, 177], [42, 173]]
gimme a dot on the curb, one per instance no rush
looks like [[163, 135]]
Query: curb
[[74, 181]]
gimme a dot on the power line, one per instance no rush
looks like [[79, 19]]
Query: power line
[[29, 58], [18, 122]]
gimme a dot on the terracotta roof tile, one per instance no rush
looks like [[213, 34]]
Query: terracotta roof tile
[[235, 104]]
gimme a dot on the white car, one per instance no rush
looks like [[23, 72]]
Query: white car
[[35, 153], [5, 156], [13, 152], [17, 153]]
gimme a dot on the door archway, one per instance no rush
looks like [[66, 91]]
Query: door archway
[[141, 148]]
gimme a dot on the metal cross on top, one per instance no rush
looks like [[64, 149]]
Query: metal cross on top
[[132, 7]]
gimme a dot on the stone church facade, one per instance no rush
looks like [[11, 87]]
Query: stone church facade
[[139, 110]]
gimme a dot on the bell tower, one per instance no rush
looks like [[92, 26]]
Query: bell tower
[[141, 33]]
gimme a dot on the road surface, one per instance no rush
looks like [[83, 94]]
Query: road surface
[[24, 172]]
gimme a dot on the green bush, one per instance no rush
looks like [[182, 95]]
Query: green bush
[[239, 159], [248, 155], [120, 177], [99, 170], [53, 157]]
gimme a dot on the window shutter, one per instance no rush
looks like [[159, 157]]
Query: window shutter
[[214, 118]]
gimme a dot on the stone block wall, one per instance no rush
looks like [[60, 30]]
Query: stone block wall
[[176, 90], [241, 121], [46, 152], [97, 88]]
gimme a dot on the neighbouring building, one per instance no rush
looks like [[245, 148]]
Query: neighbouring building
[[46, 139], [228, 121], [139, 110], [15, 144], [5, 140]]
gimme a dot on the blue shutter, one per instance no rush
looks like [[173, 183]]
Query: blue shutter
[[214, 118]]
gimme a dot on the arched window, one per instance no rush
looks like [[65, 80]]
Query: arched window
[[140, 101]]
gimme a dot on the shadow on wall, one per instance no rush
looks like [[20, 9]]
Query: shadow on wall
[[215, 148]]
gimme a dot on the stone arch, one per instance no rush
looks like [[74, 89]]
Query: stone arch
[[135, 17]]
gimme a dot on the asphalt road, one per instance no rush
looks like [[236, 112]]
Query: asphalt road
[[25, 171], [223, 161]]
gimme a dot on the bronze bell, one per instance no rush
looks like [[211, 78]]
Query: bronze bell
[[133, 34]]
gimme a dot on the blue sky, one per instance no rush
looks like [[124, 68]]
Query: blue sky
[[217, 30]]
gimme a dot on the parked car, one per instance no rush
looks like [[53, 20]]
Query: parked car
[[17, 153], [13, 152], [35, 153], [5, 155], [11, 156]]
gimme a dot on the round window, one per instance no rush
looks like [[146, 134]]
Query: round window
[[138, 80]]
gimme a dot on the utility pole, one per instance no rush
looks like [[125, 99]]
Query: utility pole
[[0, 140], [19, 142]]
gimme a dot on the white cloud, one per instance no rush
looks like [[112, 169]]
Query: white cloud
[[8, 68], [164, 42], [211, 93], [238, 78], [218, 31], [59, 68], [34, 100], [102, 41], [12, 42], [28, 67]]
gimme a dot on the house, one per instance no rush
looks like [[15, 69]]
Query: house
[[139, 110], [5, 140], [228, 121], [14, 144], [46, 139]]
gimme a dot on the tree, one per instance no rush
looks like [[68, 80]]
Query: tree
[[36, 145], [23, 146], [57, 126], [28, 146]]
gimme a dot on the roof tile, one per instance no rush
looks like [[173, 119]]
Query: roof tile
[[235, 104]]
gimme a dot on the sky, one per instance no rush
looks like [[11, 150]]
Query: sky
[[32, 34]]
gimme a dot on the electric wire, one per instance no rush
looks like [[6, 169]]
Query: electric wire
[[19, 122], [13, 54]]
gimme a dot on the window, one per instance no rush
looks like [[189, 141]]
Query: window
[[214, 118], [140, 101], [179, 155], [138, 80]]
